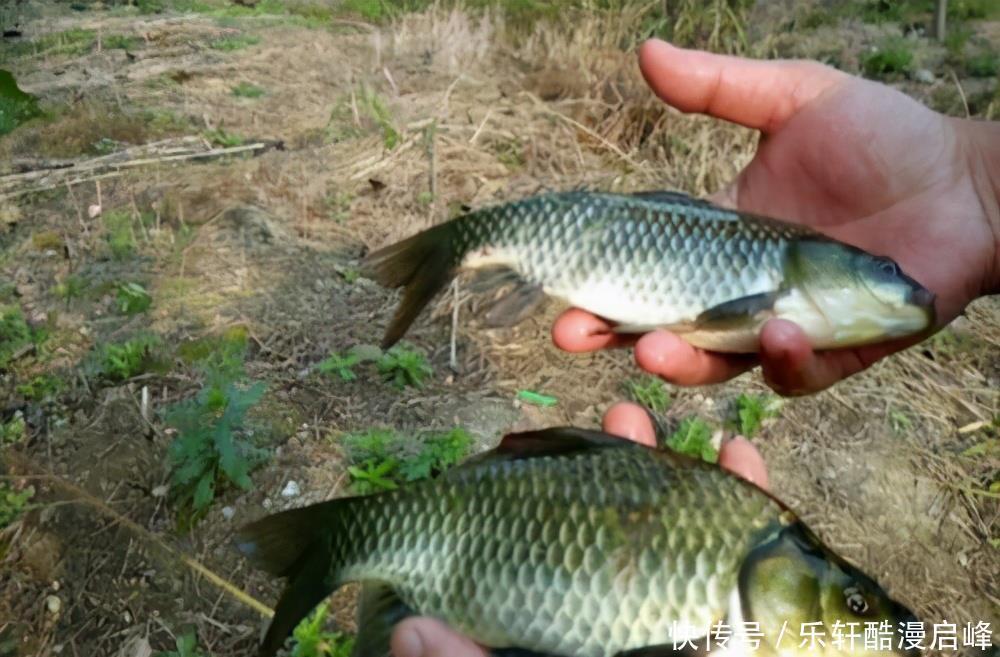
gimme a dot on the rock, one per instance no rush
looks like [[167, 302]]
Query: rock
[[291, 489], [228, 512], [923, 76]]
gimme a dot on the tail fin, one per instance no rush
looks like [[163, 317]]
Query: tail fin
[[423, 263], [294, 544]]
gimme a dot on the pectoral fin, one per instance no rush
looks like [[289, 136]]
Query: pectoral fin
[[379, 609], [735, 313], [516, 306]]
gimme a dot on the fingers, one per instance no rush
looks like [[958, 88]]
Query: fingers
[[630, 421], [757, 94], [578, 331], [741, 458], [429, 637], [678, 362]]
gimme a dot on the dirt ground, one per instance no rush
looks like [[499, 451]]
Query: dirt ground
[[268, 240]]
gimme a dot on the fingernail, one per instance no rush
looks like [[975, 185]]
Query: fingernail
[[408, 643]]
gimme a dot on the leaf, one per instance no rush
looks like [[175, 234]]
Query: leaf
[[537, 398], [204, 492]]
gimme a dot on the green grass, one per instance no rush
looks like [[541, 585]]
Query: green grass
[[889, 60], [219, 137], [13, 503], [119, 233], [404, 366], [16, 106], [312, 639], [752, 410], [212, 447], [13, 431], [118, 42], [248, 90], [983, 65], [649, 391], [15, 334], [382, 460], [132, 298], [899, 422], [340, 366], [120, 361], [373, 112], [186, 645], [71, 43], [337, 206], [235, 42], [694, 438], [41, 387]]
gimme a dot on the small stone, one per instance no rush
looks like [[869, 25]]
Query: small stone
[[53, 604], [923, 76], [55, 585], [228, 512], [160, 491], [93, 211], [267, 503], [291, 489]]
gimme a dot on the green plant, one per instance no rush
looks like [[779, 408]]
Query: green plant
[[337, 206], [247, 90], [118, 42], [12, 431], [312, 639], [71, 287], [899, 421], [15, 334], [537, 398], [889, 60], [650, 392], [186, 644], [404, 366], [220, 137], [381, 459], [235, 42], [983, 65], [752, 410], [13, 503], [120, 235], [694, 438], [121, 361], [133, 298], [212, 445], [340, 365], [41, 387], [16, 106]]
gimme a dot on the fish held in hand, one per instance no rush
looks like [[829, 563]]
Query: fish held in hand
[[575, 543], [665, 260]]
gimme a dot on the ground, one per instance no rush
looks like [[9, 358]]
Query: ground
[[358, 132]]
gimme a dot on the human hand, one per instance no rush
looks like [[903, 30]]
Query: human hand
[[429, 637], [854, 159]]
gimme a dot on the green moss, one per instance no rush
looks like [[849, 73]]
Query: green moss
[[47, 240]]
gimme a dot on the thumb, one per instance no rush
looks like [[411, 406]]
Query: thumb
[[429, 637]]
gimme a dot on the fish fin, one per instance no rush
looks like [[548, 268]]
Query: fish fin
[[662, 650], [489, 278], [515, 306], [664, 196], [553, 441], [379, 609], [294, 544], [734, 312], [423, 263]]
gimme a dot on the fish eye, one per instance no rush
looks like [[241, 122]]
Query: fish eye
[[855, 601], [887, 267]]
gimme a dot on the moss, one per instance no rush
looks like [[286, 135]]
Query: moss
[[47, 240]]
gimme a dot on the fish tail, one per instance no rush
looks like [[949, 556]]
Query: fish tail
[[424, 264], [297, 545]]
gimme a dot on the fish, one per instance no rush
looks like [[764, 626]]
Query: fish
[[651, 260], [571, 542]]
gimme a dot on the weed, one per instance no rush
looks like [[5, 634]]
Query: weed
[[956, 39], [899, 421], [219, 137], [510, 153], [41, 387], [186, 644], [13, 431], [971, 9], [133, 298], [121, 361], [340, 365], [118, 42], [248, 90], [350, 275], [337, 206], [212, 444], [16, 106], [888, 61], [312, 639], [120, 234], [404, 366], [752, 410], [235, 42], [381, 459], [694, 438], [13, 503], [225, 350], [983, 65], [71, 287], [650, 392], [15, 334]]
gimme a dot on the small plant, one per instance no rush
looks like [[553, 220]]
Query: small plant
[[212, 444], [16, 106], [425, 198], [120, 235], [888, 61], [186, 644], [247, 90], [983, 65], [650, 392], [133, 298], [335, 364], [404, 366], [12, 431], [899, 421], [219, 137], [71, 287], [121, 361], [118, 42], [13, 503], [41, 387], [235, 42], [350, 275], [752, 410], [694, 438], [337, 206], [381, 459], [537, 398], [312, 639], [15, 334]]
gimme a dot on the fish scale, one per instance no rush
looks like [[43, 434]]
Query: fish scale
[[528, 553]]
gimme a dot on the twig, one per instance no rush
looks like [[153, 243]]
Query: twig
[[453, 358], [961, 92]]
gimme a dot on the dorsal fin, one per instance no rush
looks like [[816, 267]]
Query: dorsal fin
[[555, 441], [663, 196]]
